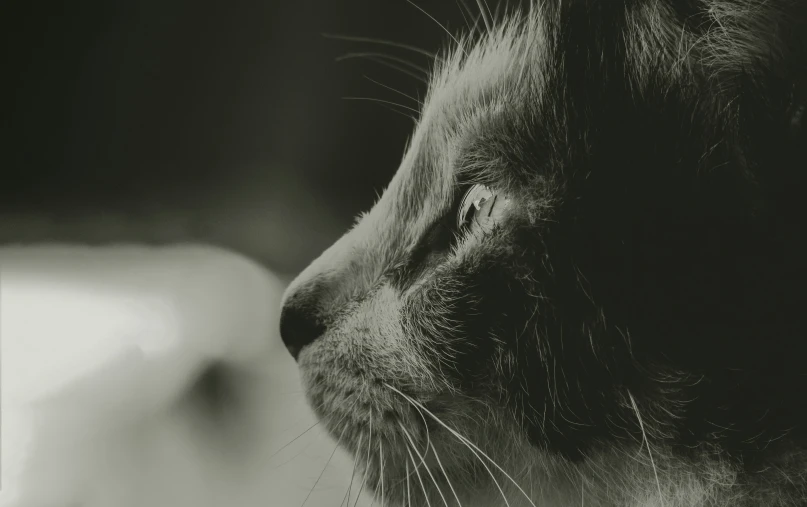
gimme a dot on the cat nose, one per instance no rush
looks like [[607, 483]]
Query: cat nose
[[299, 326]]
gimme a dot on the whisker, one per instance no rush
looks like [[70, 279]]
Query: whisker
[[463, 9], [384, 56], [399, 68], [367, 466], [420, 479], [468, 444], [338, 441], [423, 461], [385, 106], [583, 492], [483, 9], [382, 101], [438, 24], [294, 439], [399, 92], [353, 473], [281, 465], [647, 443], [346, 497], [408, 494], [464, 441], [384, 42], [381, 462], [320, 474], [495, 15], [341, 419], [475, 27], [445, 474], [374, 496], [474, 449], [428, 433]]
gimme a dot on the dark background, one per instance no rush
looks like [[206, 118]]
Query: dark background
[[174, 120]]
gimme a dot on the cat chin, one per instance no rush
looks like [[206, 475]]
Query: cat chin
[[606, 479]]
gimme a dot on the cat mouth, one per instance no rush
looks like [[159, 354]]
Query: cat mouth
[[413, 452], [402, 455], [405, 457], [413, 442]]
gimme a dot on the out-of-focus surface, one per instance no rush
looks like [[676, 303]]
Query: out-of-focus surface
[[102, 353], [199, 120], [154, 122]]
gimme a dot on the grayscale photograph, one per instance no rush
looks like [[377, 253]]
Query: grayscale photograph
[[404, 253]]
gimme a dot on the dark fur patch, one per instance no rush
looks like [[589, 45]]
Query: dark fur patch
[[647, 287]]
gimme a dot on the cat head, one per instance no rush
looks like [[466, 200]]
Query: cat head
[[574, 261]]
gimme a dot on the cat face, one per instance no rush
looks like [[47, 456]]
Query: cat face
[[573, 267]]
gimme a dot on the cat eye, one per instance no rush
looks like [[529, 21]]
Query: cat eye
[[481, 205]]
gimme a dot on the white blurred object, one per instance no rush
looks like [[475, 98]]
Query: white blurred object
[[136, 376]]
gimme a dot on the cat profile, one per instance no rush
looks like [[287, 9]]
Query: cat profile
[[584, 285]]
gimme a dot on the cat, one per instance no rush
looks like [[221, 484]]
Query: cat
[[584, 284]]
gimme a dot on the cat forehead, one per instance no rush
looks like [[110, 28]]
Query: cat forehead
[[479, 90], [515, 98], [504, 65], [480, 84]]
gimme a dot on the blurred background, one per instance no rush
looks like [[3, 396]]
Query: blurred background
[[172, 120], [164, 121]]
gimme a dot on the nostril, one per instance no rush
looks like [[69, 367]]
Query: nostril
[[299, 326]]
